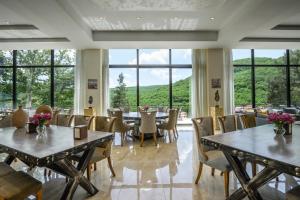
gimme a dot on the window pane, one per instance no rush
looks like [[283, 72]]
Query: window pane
[[122, 88], [181, 56], [154, 56], [270, 84], [33, 87], [154, 87], [5, 88], [64, 87], [122, 57], [242, 88], [6, 58], [33, 57], [270, 57], [65, 57], [295, 57], [181, 86], [241, 56], [295, 86]]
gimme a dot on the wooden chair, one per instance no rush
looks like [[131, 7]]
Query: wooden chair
[[178, 113], [227, 123], [148, 125], [64, 120], [54, 116], [170, 124], [103, 151], [83, 120], [119, 125], [248, 120], [6, 121], [203, 126], [18, 186]]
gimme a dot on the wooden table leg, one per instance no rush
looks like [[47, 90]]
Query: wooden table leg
[[249, 186]]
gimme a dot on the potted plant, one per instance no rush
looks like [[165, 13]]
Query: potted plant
[[40, 121], [280, 121]]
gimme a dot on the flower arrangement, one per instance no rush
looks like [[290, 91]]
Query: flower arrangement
[[279, 119], [40, 119], [146, 108]]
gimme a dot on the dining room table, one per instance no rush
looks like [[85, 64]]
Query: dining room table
[[276, 153], [53, 151]]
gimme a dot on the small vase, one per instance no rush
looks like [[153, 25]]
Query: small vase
[[19, 118], [41, 130], [279, 130]]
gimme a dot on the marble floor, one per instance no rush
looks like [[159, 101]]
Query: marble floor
[[165, 172]]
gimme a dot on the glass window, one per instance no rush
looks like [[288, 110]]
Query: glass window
[[122, 57], [295, 57], [241, 56], [181, 56], [64, 87], [270, 56], [154, 87], [65, 57], [270, 85], [6, 58], [295, 86], [33, 87], [154, 56], [5, 88], [181, 86], [34, 57], [242, 88], [122, 88]]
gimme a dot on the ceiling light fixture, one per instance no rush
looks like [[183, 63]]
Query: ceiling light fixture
[[139, 18], [99, 18], [212, 18]]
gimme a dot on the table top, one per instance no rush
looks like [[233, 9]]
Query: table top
[[59, 142], [137, 115], [262, 141]]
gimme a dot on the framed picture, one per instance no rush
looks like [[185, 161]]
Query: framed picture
[[92, 84], [216, 83]]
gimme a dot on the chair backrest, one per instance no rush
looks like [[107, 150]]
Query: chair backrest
[[140, 108], [148, 122], [248, 120], [118, 125], [64, 120], [172, 119], [44, 109], [103, 123], [203, 126], [227, 123], [6, 121], [54, 116], [178, 113], [83, 120]]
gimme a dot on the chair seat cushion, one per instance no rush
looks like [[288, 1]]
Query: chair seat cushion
[[216, 159], [293, 194], [5, 169], [99, 154], [18, 185]]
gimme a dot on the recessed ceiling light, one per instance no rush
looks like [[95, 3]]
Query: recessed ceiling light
[[99, 18], [212, 18], [139, 18]]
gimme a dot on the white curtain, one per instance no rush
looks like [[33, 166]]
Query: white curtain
[[79, 84], [199, 83], [103, 85], [228, 82]]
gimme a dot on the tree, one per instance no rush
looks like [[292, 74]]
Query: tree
[[119, 98]]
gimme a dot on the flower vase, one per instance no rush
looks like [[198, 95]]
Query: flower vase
[[41, 130], [279, 130]]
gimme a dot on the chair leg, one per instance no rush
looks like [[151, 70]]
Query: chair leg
[[45, 172], [226, 183], [169, 133], [39, 195], [277, 179], [142, 139], [88, 172], [49, 172], [199, 172], [212, 171], [154, 138], [253, 168], [111, 167]]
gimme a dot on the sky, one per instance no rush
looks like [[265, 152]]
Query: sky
[[246, 53]]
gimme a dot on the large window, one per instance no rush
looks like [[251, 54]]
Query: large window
[[266, 78], [34, 77], [154, 77]]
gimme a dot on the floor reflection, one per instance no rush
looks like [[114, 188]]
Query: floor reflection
[[164, 172]]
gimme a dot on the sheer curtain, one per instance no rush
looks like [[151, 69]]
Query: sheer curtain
[[228, 82], [104, 78], [79, 84], [199, 83]]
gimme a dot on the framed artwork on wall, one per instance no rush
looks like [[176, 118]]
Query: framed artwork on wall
[[92, 84], [216, 83]]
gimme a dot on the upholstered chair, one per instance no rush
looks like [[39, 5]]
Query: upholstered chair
[[64, 120], [227, 123], [203, 126], [83, 120], [120, 126], [103, 151], [6, 121], [54, 116], [170, 124], [148, 125], [248, 120]]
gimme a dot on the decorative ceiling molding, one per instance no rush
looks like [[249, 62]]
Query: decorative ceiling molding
[[18, 27], [155, 35], [58, 39], [287, 27], [269, 39]]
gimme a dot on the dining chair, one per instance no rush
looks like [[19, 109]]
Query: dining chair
[[83, 120], [64, 120], [6, 121], [227, 123], [178, 113], [148, 125], [56, 111], [169, 124], [119, 125], [102, 151], [215, 159], [248, 120]]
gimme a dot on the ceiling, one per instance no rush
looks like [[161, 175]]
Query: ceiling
[[148, 24]]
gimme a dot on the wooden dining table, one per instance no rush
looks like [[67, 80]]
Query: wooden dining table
[[277, 153], [53, 151]]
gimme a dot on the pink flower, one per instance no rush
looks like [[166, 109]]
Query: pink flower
[[280, 118]]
